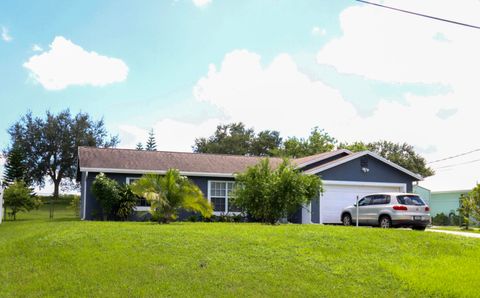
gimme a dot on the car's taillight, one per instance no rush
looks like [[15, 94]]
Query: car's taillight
[[400, 208], [427, 208]]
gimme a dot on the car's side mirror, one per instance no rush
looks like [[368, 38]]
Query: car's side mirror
[[355, 205]]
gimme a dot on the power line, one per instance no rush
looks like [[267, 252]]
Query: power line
[[458, 164], [454, 156], [420, 14]]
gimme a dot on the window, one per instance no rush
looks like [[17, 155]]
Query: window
[[410, 200], [219, 194], [365, 201], [380, 200], [141, 202]]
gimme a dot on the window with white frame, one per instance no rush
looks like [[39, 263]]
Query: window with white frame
[[219, 194], [141, 202]]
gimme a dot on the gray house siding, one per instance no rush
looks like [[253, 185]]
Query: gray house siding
[[93, 210], [378, 172]]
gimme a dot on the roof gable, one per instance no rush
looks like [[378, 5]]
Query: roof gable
[[356, 155]]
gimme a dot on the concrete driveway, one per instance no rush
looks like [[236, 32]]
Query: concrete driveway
[[464, 234]]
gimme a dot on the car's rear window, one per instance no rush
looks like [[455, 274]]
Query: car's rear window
[[410, 200]]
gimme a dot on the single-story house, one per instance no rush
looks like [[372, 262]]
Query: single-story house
[[423, 192], [445, 202], [345, 175]]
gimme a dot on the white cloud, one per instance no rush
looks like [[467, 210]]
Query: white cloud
[[67, 64], [37, 48], [317, 31], [392, 46], [201, 3], [6, 35], [277, 96]]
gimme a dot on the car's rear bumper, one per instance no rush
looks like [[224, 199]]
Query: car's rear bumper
[[410, 223]]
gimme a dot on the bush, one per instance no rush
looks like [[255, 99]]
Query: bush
[[169, 194], [441, 219], [269, 195], [117, 201], [128, 202]]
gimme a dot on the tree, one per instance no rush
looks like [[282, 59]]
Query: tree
[[402, 154], [51, 144], [231, 138], [271, 194], [474, 195], [265, 143], [319, 141], [18, 198], [467, 208], [151, 144], [15, 166], [354, 147], [170, 193], [139, 146]]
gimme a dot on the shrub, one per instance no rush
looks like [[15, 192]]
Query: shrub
[[117, 201], [128, 202], [170, 193], [441, 219], [271, 194], [18, 198]]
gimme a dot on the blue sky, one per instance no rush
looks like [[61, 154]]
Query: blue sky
[[183, 66]]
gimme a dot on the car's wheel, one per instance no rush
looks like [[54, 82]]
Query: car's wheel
[[418, 228], [385, 222], [346, 219]]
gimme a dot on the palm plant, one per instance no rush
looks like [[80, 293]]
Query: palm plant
[[170, 193]]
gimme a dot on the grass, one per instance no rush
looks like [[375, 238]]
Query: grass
[[67, 257]]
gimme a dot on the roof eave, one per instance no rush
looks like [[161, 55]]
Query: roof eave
[[161, 172]]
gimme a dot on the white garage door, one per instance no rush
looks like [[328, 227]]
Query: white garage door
[[336, 197]]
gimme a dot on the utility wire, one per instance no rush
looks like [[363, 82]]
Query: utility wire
[[420, 14], [454, 156], [458, 164]]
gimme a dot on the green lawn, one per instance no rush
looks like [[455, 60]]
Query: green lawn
[[71, 258]]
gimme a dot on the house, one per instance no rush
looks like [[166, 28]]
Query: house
[[345, 175], [446, 201], [423, 192]]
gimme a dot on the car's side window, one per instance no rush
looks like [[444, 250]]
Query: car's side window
[[365, 201], [380, 200]]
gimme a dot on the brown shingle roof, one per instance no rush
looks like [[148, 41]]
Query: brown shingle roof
[[318, 157], [136, 160], [129, 161]]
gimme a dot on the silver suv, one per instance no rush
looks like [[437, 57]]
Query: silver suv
[[389, 210]]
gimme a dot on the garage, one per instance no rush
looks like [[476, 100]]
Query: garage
[[338, 195], [355, 174]]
